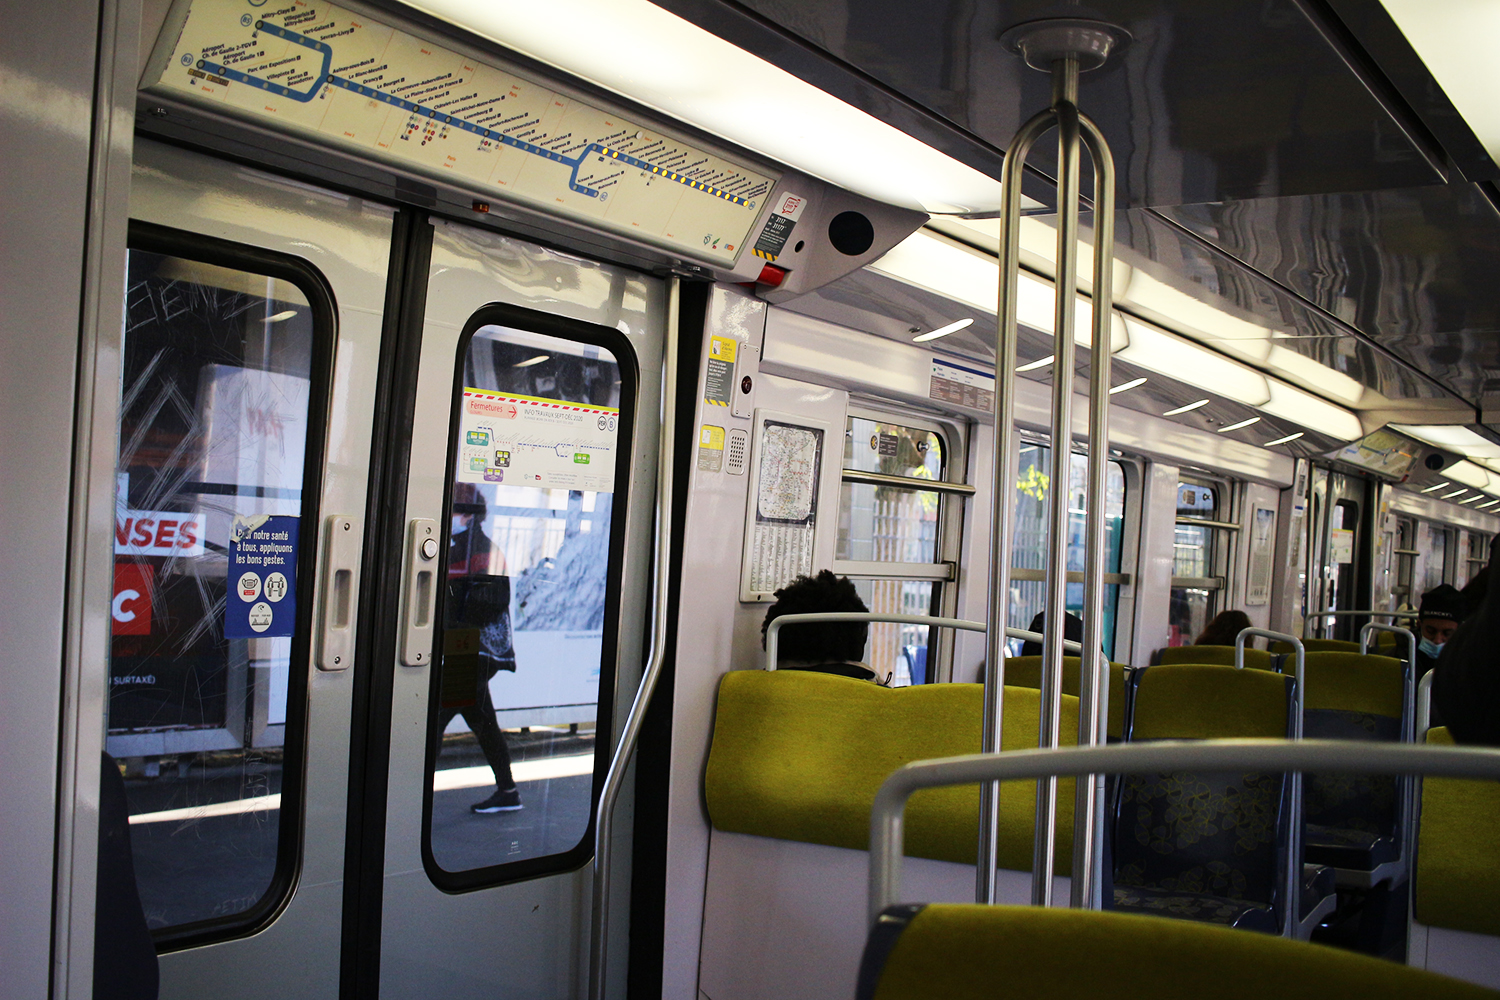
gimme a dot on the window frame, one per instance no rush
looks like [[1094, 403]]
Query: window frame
[[1221, 548], [578, 332], [944, 572], [150, 237], [1130, 472]]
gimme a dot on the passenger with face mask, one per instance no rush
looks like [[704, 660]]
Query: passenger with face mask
[[1443, 607]]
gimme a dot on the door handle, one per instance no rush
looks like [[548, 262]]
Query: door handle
[[422, 547], [341, 546]]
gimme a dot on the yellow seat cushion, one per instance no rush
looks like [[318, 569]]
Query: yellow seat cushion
[[1026, 671], [1221, 655], [1187, 701], [799, 755], [968, 952], [1352, 682], [1458, 852]]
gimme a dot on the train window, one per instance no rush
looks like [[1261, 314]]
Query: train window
[[889, 540], [1436, 571], [1029, 547], [529, 612], [1406, 553], [225, 359], [1195, 585]]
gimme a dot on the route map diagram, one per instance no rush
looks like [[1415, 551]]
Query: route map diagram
[[531, 441], [788, 472], [317, 68]]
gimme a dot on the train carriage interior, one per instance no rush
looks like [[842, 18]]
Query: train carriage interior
[[749, 499]]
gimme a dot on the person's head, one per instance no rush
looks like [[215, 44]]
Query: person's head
[[1442, 609], [818, 642], [1072, 629], [468, 504], [1224, 629]]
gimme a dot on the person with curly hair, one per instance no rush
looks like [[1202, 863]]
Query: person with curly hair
[[827, 647]]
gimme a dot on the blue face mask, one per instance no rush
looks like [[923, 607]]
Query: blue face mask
[[1430, 648]]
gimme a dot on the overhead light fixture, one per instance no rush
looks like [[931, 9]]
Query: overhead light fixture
[[1161, 352], [1291, 403], [282, 316], [1453, 437], [531, 361], [1470, 475], [1186, 409], [1453, 39], [1033, 366], [1285, 440], [1437, 486], [1485, 506], [1127, 386], [695, 76], [1477, 496], [1450, 496], [1236, 426], [943, 331]]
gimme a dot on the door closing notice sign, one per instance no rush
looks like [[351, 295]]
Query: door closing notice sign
[[262, 598]]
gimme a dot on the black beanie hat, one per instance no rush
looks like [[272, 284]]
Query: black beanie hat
[[1443, 602]]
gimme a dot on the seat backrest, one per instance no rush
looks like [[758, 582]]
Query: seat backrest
[[969, 952], [1026, 672], [1457, 880], [1352, 696], [1318, 646], [1221, 834], [1222, 655], [799, 755]]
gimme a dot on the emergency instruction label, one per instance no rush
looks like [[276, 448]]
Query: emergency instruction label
[[719, 383], [262, 578], [960, 384]]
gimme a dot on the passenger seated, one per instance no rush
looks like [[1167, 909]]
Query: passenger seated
[[827, 647], [1442, 609], [1466, 687], [1072, 631], [1224, 629]]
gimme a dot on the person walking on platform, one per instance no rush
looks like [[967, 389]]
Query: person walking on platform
[[479, 599]]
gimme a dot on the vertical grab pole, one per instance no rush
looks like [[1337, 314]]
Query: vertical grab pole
[[1001, 514], [1093, 689], [1065, 107], [661, 564]]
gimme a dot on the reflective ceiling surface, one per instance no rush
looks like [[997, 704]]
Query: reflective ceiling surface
[[1288, 160]]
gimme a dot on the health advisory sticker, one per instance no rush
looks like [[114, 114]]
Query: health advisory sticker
[[262, 598]]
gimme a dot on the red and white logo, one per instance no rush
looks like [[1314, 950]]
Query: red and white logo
[[131, 607]]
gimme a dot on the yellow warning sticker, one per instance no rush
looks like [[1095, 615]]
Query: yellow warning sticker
[[710, 448], [719, 383]]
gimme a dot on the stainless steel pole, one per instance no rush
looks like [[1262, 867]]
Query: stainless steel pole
[[660, 570], [1003, 487], [1065, 107], [1093, 686]]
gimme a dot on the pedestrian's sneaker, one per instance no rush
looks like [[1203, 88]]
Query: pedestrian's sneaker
[[504, 800]]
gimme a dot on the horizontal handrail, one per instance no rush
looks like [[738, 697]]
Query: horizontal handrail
[[907, 482], [773, 630], [1312, 617], [887, 833], [1205, 522]]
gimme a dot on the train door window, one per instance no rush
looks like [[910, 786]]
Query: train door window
[[1406, 553], [534, 547], [226, 354], [1435, 548], [1029, 547], [1196, 582], [1479, 554], [890, 541]]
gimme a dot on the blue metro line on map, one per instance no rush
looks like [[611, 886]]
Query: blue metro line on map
[[326, 76]]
